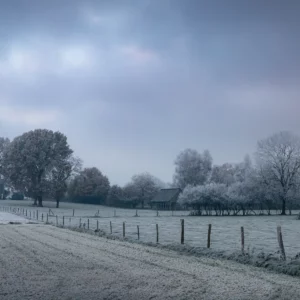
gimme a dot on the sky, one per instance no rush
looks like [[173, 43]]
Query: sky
[[132, 83]]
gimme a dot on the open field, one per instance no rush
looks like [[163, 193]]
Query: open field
[[260, 231], [45, 262]]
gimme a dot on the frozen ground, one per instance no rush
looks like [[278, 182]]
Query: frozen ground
[[260, 231], [45, 262], [6, 218]]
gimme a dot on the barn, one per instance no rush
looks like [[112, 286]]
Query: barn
[[166, 199]]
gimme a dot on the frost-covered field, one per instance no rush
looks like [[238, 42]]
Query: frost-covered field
[[260, 231], [6, 218], [45, 262]]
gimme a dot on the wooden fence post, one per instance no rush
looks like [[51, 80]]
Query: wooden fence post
[[88, 223], [110, 224], [42, 217], [123, 229], [56, 220], [80, 223], [97, 225], [26, 212], [243, 239], [63, 220], [208, 236], [73, 212], [138, 231], [30, 214], [157, 213], [280, 242], [182, 231], [157, 234], [37, 214], [47, 219], [136, 213]]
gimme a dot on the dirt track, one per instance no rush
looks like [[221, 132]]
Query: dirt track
[[44, 262]]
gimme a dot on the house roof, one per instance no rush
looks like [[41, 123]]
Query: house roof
[[167, 195]]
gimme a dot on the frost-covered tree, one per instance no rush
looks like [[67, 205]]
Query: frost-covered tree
[[89, 183], [143, 187], [243, 170], [224, 174], [191, 197], [238, 198], [204, 198], [192, 168], [278, 162], [29, 158]]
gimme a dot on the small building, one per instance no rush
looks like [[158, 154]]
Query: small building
[[166, 199]]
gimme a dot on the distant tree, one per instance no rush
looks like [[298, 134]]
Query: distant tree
[[192, 168], [143, 187], [191, 197], [31, 157], [60, 174], [243, 169], [4, 143], [204, 198], [224, 174], [278, 162], [115, 192], [89, 183]]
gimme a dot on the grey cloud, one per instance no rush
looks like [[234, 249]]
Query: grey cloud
[[217, 75]]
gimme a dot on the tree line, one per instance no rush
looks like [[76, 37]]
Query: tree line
[[40, 164], [271, 183]]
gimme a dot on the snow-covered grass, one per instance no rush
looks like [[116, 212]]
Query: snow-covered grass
[[6, 218], [260, 231], [65, 264]]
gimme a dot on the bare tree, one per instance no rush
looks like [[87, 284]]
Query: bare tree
[[278, 161]]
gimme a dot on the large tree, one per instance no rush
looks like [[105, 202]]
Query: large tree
[[278, 161], [89, 183], [192, 168], [31, 157]]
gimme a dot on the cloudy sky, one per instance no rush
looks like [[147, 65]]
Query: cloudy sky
[[134, 82]]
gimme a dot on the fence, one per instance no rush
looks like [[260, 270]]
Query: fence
[[135, 229]]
